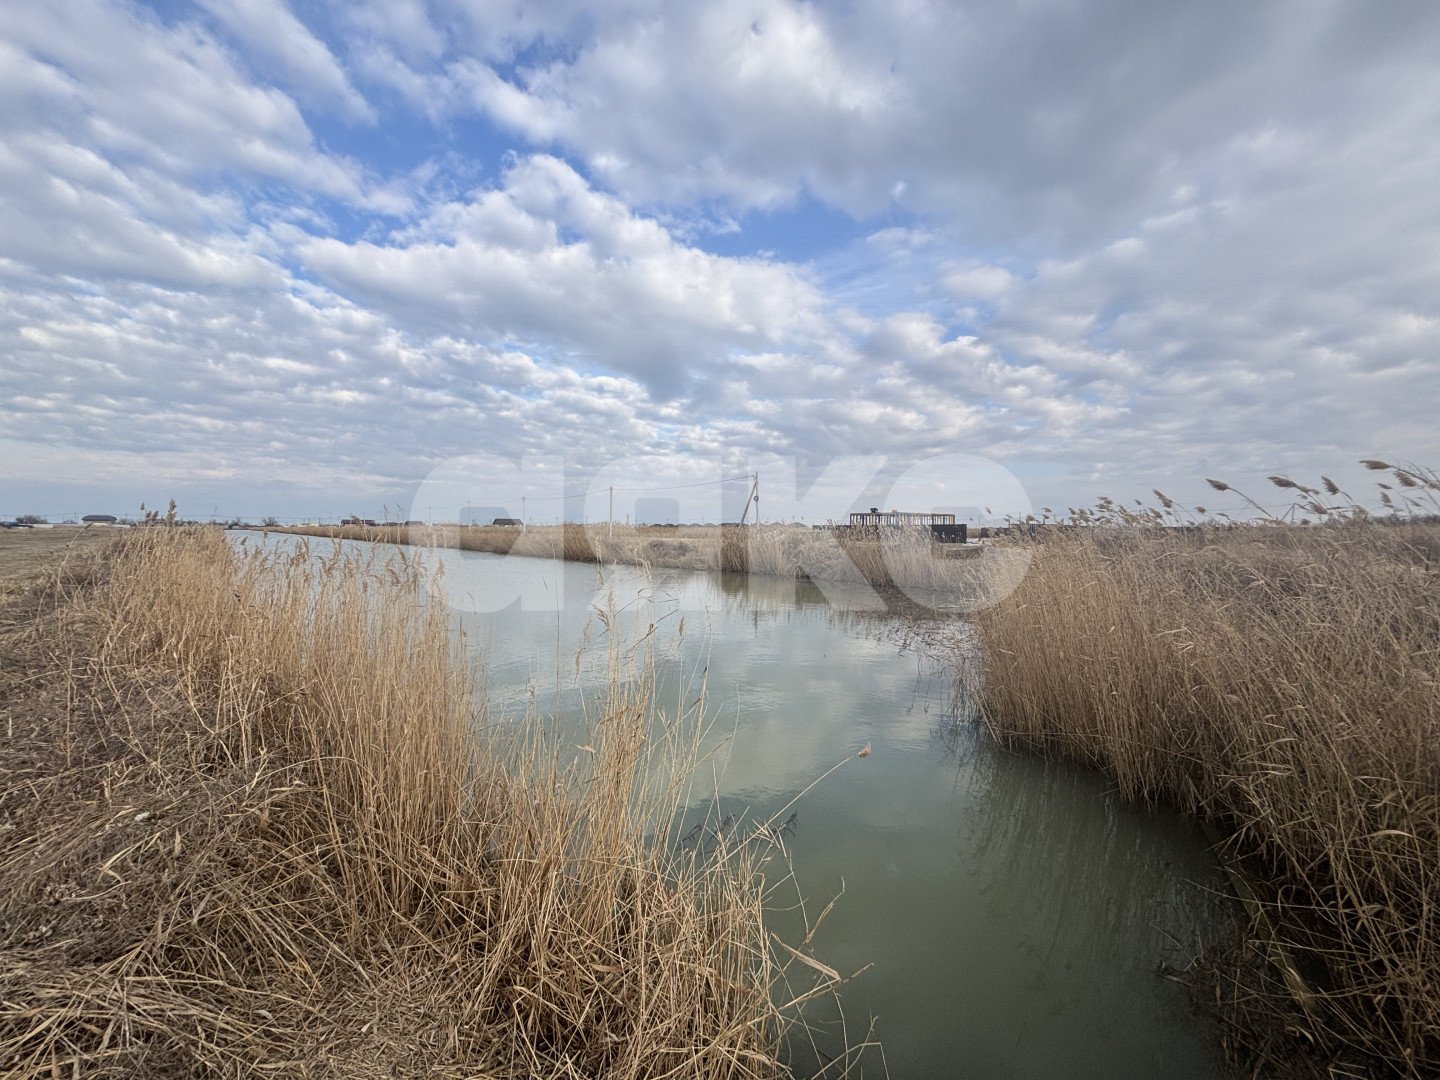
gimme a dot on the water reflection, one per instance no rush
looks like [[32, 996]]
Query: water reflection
[[1014, 912]]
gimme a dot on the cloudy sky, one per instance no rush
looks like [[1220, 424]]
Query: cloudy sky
[[280, 256]]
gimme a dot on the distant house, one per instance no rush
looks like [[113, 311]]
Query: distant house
[[100, 519], [515, 522], [475, 514]]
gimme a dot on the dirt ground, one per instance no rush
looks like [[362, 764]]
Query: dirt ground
[[27, 553]]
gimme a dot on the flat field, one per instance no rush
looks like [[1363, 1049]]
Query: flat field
[[25, 554]]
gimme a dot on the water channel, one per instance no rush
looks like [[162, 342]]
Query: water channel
[[1017, 915]]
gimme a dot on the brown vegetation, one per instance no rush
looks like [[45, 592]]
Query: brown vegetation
[[901, 558], [26, 554], [253, 822], [1282, 683]]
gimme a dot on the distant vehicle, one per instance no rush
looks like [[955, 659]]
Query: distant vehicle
[[414, 523], [513, 522], [11, 525]]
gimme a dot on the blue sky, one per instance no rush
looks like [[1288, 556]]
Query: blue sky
[[303, 259]]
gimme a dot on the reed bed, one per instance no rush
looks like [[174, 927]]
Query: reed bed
[[897, 559], [1282, 683], [255, 823]]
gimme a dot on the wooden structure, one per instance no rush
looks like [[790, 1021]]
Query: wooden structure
[[894, 519], [943, 528]]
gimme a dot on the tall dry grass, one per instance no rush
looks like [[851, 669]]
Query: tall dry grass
[[899, 558], [264, 830], [1282, 683]]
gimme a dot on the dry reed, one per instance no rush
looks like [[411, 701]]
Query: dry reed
[[1282, 683], [254, 824], [895, 559]]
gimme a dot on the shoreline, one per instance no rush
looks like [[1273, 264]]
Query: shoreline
[[249, 824], [1270, 684], [906, 570], [1129, 613], [1081, 662]]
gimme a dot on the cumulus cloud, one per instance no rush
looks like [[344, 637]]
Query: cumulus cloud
[[544, 258], [282, 385], [272, 32], [1006, 117], [113, 81], [1111, 242]]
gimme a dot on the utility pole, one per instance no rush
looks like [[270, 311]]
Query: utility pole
[[612, 510], [522, 513], [752, 496]]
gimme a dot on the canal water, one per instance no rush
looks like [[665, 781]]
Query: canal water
[[1017, 917]]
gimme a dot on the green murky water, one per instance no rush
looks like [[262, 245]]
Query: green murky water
[[1015, 914]]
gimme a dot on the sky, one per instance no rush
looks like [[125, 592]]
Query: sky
[[387, 257]]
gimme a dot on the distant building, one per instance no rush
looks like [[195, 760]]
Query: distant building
[[472, 514], [943, 527], [100, 519], [508, 521], [894, 519]]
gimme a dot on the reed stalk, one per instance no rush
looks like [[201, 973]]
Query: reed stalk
[[256, 822], [1282, 683]]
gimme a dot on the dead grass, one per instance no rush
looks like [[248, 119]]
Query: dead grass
[[253, 823], [1284, 684], [901, 558], [26, 554]]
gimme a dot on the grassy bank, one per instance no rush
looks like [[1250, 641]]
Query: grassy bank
[[253, 823], [1282, 683], [904, 558]]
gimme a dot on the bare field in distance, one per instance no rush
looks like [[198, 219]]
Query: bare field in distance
[[27, 553]]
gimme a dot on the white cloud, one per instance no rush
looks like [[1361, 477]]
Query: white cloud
[[1123, 243], [269, 29], [977, 281], [69, 211], [743, 101], [547, 259], [105, 77]]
